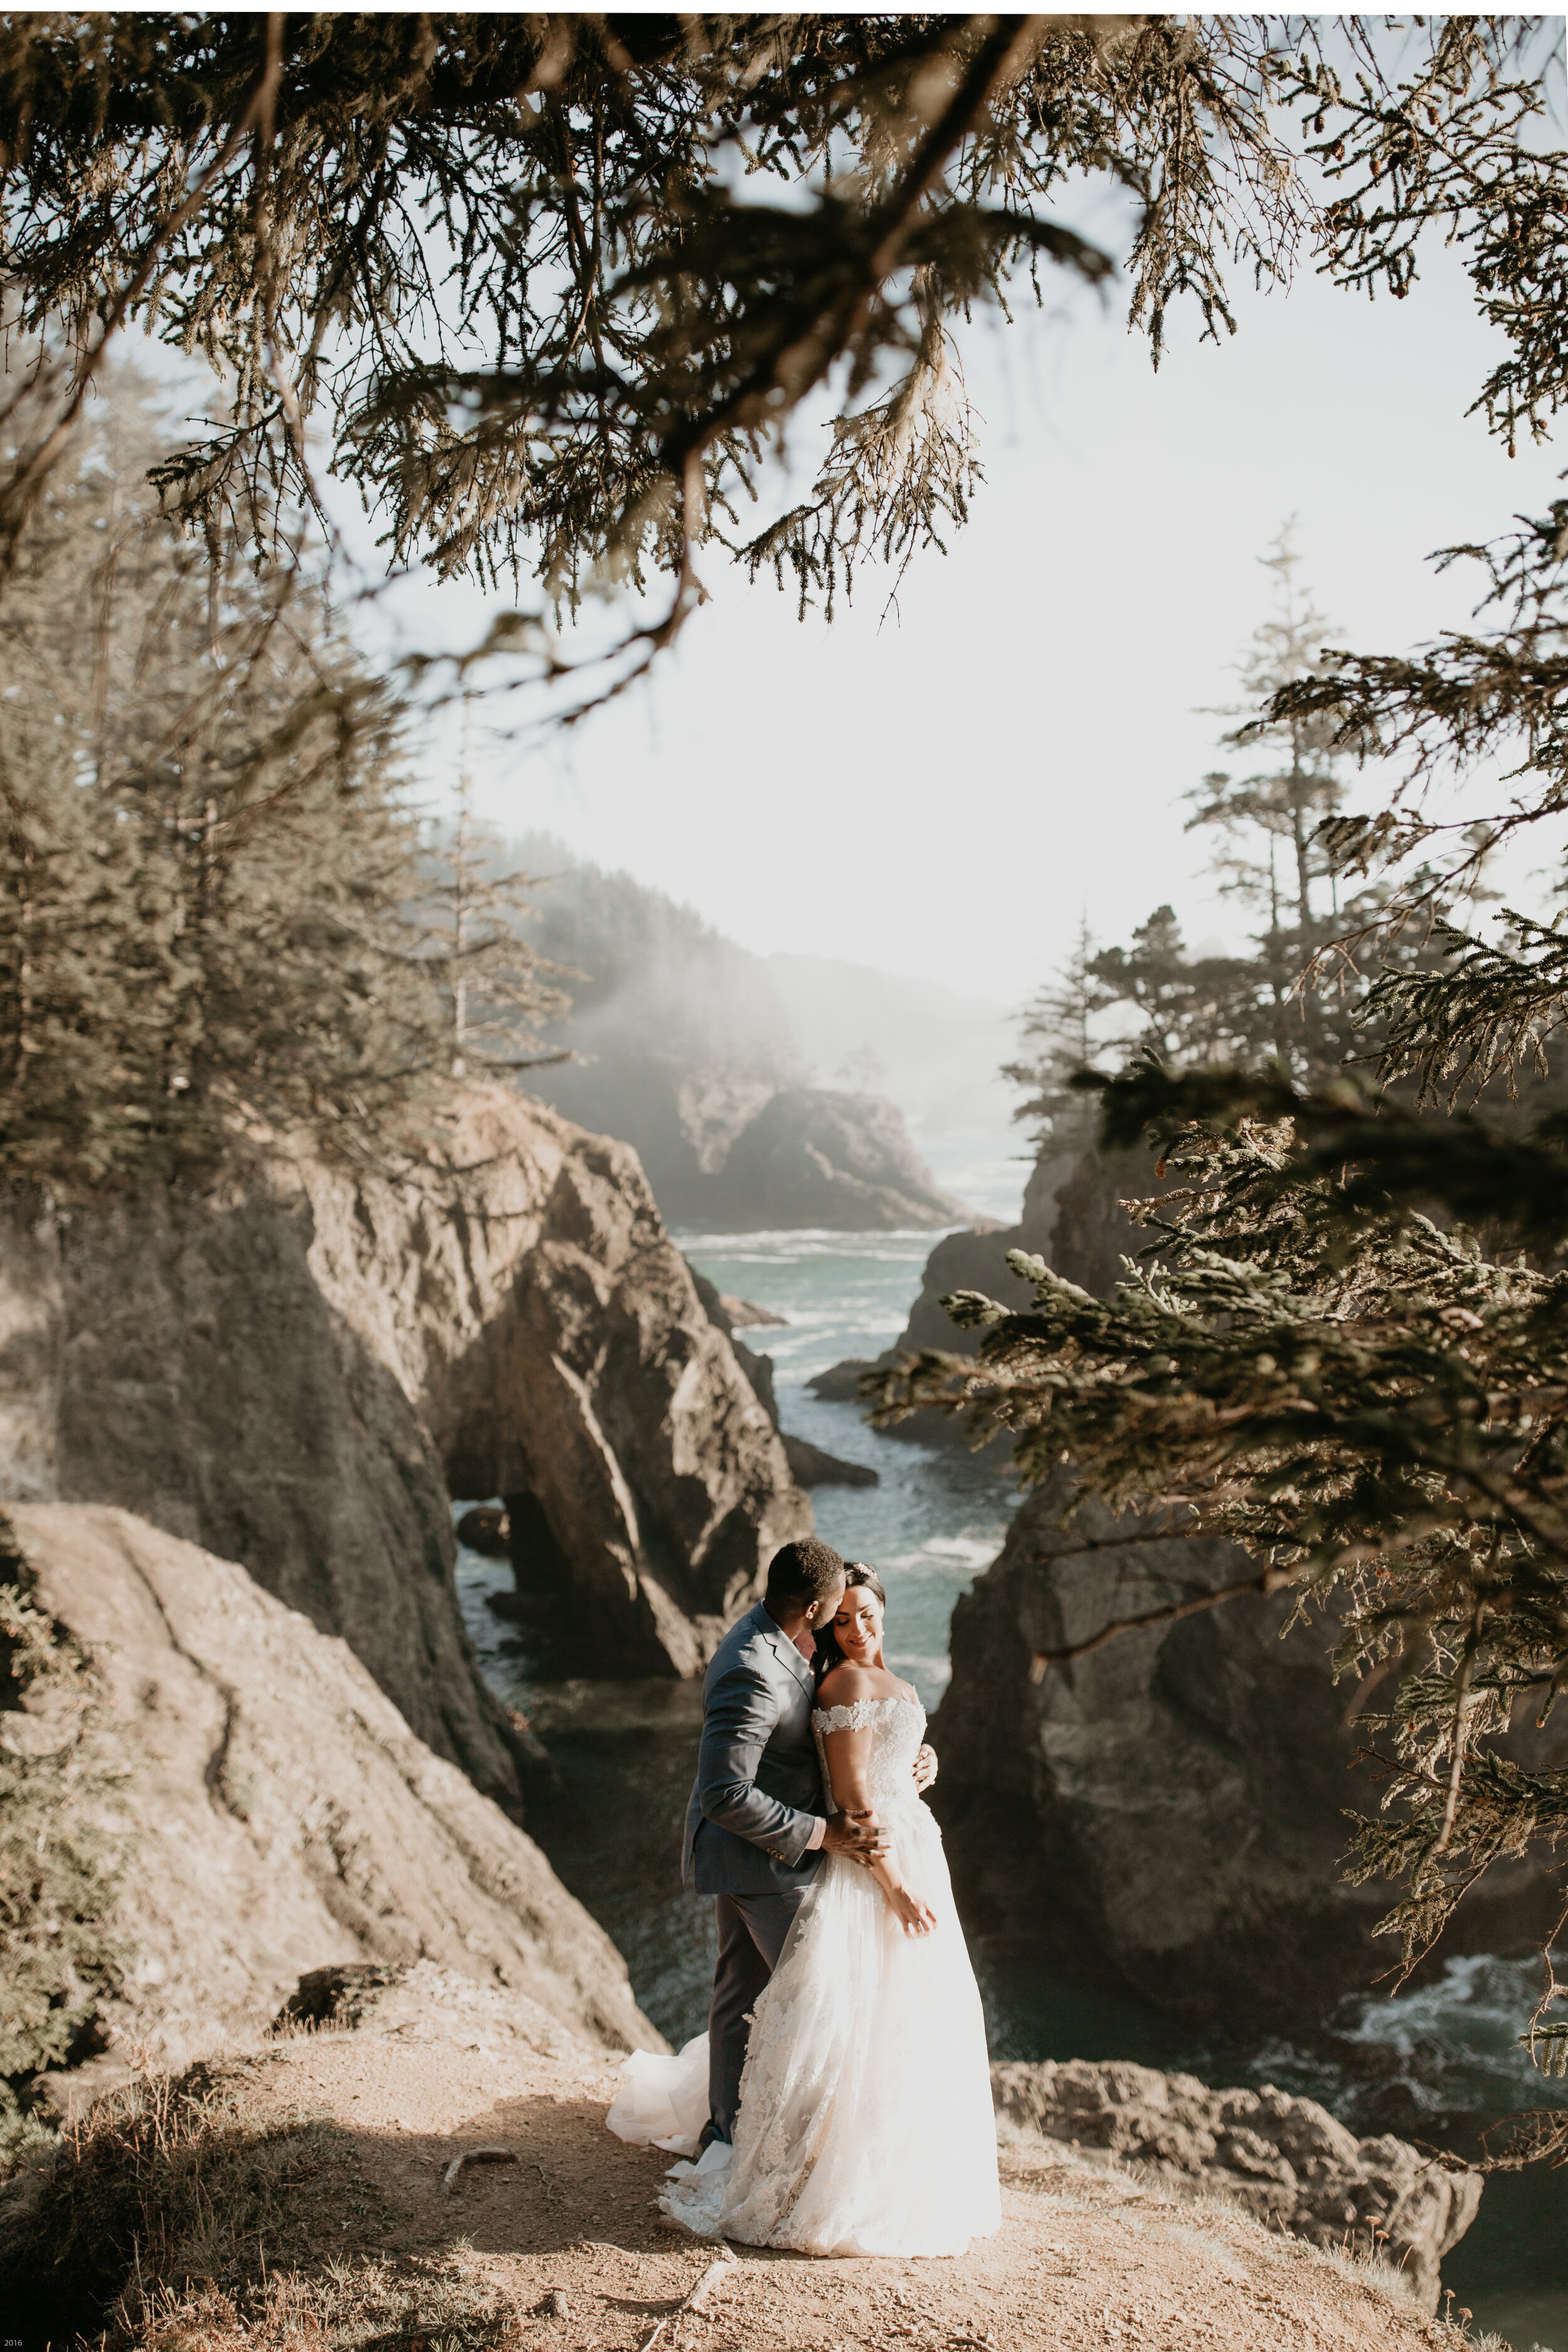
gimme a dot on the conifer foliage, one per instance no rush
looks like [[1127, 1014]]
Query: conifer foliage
[[1316, 1356], [476, 905], [552, 284], [218, 920]]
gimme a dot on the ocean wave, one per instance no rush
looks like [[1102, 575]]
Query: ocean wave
[[969, 1553], [902, 1247], [1461, 2029]]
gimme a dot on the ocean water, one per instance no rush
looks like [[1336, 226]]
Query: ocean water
[[939, 1516], [1438, 2063]]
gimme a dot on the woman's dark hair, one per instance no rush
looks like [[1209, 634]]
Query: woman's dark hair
[[828, 1655]]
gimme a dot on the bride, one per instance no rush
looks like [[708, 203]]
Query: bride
[[866, 2124]]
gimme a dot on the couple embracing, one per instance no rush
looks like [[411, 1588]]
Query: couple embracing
[[844, 2071]]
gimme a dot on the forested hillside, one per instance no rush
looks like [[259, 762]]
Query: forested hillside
[[680, 1043]]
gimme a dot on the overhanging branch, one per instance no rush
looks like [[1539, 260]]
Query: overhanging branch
[[1273, 1580]]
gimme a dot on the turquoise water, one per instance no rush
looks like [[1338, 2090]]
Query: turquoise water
[[1435, 2064], [939, 1514]]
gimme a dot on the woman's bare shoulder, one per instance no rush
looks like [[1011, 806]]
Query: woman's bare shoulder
[[846, 1684]]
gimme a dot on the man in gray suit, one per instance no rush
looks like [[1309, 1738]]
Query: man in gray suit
[[756, 1827]]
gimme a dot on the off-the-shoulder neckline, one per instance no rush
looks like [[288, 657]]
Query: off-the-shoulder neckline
[[847, 1706]]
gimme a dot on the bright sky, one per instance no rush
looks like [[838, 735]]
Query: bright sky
[[941, 793]]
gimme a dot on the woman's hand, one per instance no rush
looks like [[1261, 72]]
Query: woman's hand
[[925, 1770], [914, 1915]]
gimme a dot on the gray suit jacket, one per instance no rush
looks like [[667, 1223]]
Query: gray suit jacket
[[758, 1792]]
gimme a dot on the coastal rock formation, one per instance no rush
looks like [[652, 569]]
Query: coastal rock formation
[[683, 1046], [809, 1464], [678, 1035], [296, 1375], [177, 1356], [1285, 2161], [975, 1259], [278, 1815], [548, 1334], [1090, 1233], [730, 1158], [1171, 1807], [811, 1157]]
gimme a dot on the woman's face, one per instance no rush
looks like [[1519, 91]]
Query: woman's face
[[857, 1626]]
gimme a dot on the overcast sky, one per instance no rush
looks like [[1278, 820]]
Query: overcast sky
[[940, 792]]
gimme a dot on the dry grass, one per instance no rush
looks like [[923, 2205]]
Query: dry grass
[[163, 2184], [440, 2304]]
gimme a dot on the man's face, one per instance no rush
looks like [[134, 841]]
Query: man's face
[[821, 1611]]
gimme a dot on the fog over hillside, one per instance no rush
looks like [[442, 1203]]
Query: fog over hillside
[[684, 1037], [936, 1054]]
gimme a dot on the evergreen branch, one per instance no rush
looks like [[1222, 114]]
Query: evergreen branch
[[490, 249], [19, 493], [1271, 1580]]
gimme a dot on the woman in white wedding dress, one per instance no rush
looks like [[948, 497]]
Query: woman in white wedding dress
[[866, 2124]]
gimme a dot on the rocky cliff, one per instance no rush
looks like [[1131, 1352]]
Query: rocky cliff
[[179, 1357], [814, 1157], [735, 1155], [273, 1814], [682, 1045], [809, 1464], [549, 1335], [1285, 2161], [296, 1375], [1170, 1808]]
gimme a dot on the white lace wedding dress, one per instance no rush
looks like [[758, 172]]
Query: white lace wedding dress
[[866, 2124]]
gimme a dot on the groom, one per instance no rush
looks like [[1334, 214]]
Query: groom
[[756, 1826]]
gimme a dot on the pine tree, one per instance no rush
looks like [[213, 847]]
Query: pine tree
[[1282, 878], [1060, 1024], [1303, 996], [1316, 1358], [211, 865], [496, 985], [519, 273]]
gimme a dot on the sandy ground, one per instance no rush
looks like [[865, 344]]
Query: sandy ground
[[567, 2234]]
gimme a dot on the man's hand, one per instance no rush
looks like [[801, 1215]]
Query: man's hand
[[856, 1838], [925, 1770]]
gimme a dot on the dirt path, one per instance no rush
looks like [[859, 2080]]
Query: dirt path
[[562, 2246]]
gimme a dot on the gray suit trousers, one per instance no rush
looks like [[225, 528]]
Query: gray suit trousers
[[751, 1933]]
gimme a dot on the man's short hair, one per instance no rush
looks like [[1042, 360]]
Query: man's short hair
[[800, 1574]]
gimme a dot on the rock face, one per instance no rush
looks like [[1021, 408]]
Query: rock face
[[809, 1464], [811, 1157], [1284, 2160], [297, 1378], [681, 1034], [1170, 1808], [179, 1357], [687, 1051], [975, 1259], [549, 1335], [283, 1817], [1090, 1232], [1071, 1217]]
